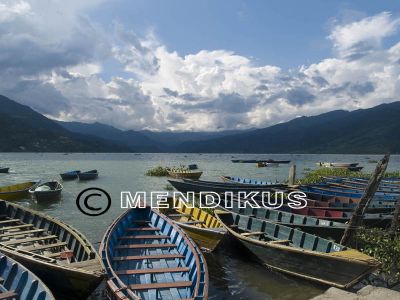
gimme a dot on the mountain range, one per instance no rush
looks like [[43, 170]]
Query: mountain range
[[373, 130]]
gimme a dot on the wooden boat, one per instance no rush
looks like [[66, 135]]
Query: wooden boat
[[231, 179], [369, 219], [337, 165], [297, 253], [201, 226], [71, 175], [346, 193], [49, 190], [320, 227], [58, 254], [16, 191], [347, 186], [255, 161], [4, 170], [17, 282], [197, 186], [147, 256], [88, 175], [181, 173]]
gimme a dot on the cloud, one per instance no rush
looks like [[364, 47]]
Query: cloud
[[54, 58]]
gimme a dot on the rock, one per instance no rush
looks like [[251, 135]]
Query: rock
[[366, 293]]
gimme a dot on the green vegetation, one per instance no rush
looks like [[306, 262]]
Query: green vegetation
[[314, 176], [378, 243], [157, 171], [168, 187]]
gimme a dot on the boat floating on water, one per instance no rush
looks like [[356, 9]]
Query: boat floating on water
[[17, 282], [4, 170], [70, 175], [147, 256], [238, 180], [183, 173], [297, 253], [45, 191], [255, 161], [57, 253], [201, 226], [88, 175], [16, 191]]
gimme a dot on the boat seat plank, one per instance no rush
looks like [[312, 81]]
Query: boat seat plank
[[160, 285], [143, 257], [143, 229], [15, 227], [43, 247], [280, 242], [153, 271], [29, 240], [193, 222], [21, 233], [9, 221], [9, 295], [179, 215], [144, 237], [145, 246], [84, 264], [252, 233]]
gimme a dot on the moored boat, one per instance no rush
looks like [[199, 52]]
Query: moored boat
[[17, 282], [297, 253], [88, 175], [70, 175], [255, 161], [44, 191], [181, 173], [337, 164], [201, 226], [232, 179], [16, 191], [4, 170], [147, 256], [58, 254], [320, 227]]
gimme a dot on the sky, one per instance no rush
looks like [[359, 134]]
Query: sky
[[198, 65]]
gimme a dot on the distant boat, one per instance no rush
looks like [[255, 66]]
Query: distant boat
[[16, 191], [193, 167], [337, 165], [45, 191], [147, 256], [232, 179], [60, 255], [254, 161], [180, 173], [17, 282], [88, 175], [70, 175], [4, 170], [201, 226], [297, 253]]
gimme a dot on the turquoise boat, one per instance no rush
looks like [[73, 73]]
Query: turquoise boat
[[17, 282], [147, 256]]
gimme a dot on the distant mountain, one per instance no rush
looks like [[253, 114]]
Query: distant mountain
[[23, 129], [373, 130], [129, 138]]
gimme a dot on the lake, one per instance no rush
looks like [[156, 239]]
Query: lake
[[233, 274]]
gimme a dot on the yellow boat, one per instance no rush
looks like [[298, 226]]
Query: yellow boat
[[201, 226], [16, 191]]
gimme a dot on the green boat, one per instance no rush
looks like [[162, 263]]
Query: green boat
[[323, 228], [297, 253]]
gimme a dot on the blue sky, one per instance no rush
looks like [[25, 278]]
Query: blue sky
[[284, 33], [198, 65]]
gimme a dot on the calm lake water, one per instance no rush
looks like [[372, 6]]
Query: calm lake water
[[233, 274]]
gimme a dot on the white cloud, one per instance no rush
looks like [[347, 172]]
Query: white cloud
[[53, 59]]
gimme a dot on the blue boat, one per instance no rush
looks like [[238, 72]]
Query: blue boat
[[239, 180], [70, 175], [17, 282], [88, 175], [346, 193], [147, 256]]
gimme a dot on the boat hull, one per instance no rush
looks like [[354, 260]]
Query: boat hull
[[207, 239], [189, 175], [4, 170], [16, 191]]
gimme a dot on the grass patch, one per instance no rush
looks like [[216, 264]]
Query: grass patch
[[157, 171]]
